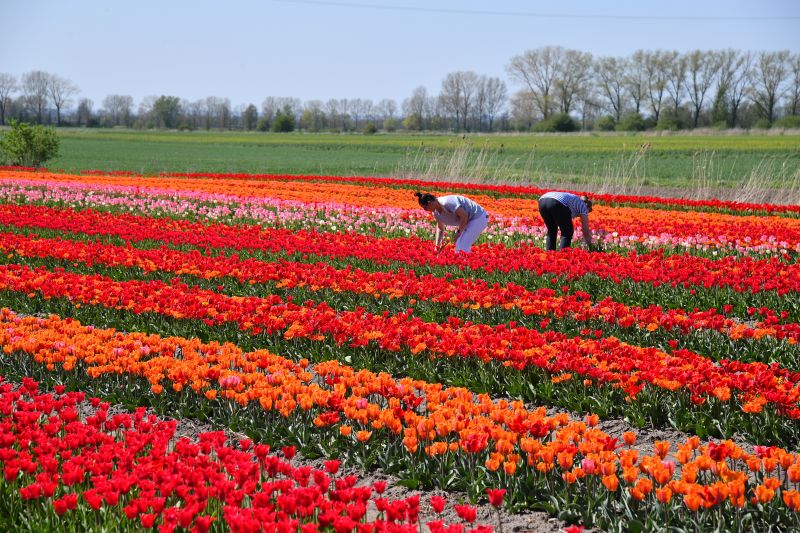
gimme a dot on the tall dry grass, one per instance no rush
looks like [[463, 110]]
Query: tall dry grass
[[770, 181]]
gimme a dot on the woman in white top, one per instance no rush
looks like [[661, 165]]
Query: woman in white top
[[455, 211]]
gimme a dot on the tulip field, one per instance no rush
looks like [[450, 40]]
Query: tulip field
[[354, 378]]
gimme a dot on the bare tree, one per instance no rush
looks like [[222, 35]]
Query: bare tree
[[118, 107], [60, 91], [538, 70], [574, 74], [35, 86], [703, 70], [84, 115], [8, 86], [313, 116], [729, 63], [676, 65], [360, 109], [345, 110], [587, 102], [217, 112], [657, 71], [794, 87], [332, 112], [740, 84], [386, 108], [524, 110], [459, 91], [636, 79], [610, 76], [145, 111], [414, 109], [494, 97], [769, 74]]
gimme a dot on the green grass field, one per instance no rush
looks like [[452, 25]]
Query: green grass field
[[644, 159]]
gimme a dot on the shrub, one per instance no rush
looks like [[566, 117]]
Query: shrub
[[762, 124], [606, 123], [792, 121], [28, 146], [561, 122], [263, 124], [284, 121], [670, 122], [632, 122], [370, 129], [391, 124]]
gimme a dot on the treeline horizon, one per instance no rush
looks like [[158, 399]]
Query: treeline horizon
[[557, 89]]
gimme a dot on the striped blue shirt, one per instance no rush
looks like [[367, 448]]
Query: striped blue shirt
[[577, 207]]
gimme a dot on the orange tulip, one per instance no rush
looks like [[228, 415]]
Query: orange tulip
[[611, 482]]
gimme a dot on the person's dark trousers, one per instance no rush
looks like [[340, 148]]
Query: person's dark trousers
[[556, 216]]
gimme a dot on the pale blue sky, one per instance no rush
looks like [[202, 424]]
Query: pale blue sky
[[321, 49]]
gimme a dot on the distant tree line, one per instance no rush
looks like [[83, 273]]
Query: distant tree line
[[557, 89]]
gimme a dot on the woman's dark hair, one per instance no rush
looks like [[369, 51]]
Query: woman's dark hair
[[587, 201], [424, 198]]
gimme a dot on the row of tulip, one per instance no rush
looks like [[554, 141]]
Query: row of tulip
[[124, 471], [696, 230], [474, 294], [740, 274], [435, 429], [328, 216], [756, 398], [469, 188]]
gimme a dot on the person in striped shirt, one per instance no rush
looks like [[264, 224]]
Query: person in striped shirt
[[456, 211], [557, 210]]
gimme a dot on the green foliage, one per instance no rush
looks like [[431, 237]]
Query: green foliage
[[762, 124], [606, 123], [670, 122], [370, 129], [632, 122], [284, 121], [166, 111], [263, 124], [792, 121], [556, 123], [412, 122], [391, 124], [719, 111], [28, 146], [250, 117]]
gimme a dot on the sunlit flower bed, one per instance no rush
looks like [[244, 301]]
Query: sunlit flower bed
[[315, 315]]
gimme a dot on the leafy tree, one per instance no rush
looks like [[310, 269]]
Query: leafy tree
[[28, 146], [250, 118], [560, 122], [632, 122], [606, 123], [670, 122], [284, 120], [792, 121], [166, 110]]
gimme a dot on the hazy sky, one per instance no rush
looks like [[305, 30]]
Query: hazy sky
[[321, 49]]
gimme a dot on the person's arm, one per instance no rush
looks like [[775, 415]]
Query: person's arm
[[463, 218], [587, 232], [439, 234]]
